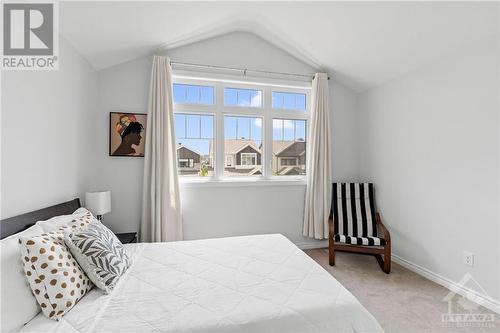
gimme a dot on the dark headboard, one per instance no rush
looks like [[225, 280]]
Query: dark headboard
[[19, 223]]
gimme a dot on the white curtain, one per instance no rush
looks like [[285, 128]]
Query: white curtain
[[319, 184], [161, 210]]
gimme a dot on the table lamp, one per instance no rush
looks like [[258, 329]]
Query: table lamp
[[98, 203]]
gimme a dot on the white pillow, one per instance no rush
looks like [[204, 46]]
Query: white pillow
[[18, 304], [60, 221], [100, 254]]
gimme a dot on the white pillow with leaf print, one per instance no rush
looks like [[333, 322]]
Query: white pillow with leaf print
[[100, 254]]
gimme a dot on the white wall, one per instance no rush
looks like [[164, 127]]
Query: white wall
[[47, 133], [345, 133], [429, 141], [210, 211]]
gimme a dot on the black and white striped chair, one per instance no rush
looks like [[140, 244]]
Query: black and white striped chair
[[354, 224]]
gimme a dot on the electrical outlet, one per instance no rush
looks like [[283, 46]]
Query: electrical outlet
[[468, 258]]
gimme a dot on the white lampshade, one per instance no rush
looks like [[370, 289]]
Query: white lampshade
[[98, 203]]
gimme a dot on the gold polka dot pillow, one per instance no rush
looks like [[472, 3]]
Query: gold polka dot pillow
[[55, 278]]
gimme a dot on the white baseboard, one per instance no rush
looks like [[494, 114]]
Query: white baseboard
[[486, 301]]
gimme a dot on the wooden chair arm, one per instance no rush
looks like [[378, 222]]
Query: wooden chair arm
[[385, 231]]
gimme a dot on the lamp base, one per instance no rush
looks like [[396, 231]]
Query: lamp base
[[99, 217]]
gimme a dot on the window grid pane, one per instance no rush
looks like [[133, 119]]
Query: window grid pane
[[193, 94], [195, 132], [242, 146], [242, 97], [195, 142], [289, 147], [291, 101]]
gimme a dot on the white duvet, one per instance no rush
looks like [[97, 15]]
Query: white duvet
[[239, 284]]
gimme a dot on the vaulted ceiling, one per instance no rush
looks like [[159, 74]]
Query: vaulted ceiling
[[363, 44]]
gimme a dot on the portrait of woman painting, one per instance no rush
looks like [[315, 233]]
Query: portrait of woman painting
[[127, 134]]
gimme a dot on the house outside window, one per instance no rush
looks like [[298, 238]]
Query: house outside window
[[230, 129]]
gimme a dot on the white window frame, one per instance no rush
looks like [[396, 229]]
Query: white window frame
[[247, 155], [266, 112]]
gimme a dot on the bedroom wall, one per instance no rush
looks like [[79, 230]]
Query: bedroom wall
[[430, 143], [46, 133], [209, 211]]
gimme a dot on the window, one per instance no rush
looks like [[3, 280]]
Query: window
[[291, 101], [243, 146], [288, 161], [195, 136], [186, 163], [229, 130], [289, 147], [248, 159], [193, 94], [242, 97]]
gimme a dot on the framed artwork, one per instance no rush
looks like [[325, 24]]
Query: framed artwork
[[127, 134]]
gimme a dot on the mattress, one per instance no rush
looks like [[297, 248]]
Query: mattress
[[258, 283]]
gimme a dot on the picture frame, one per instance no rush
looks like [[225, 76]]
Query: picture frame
[[127, 134]]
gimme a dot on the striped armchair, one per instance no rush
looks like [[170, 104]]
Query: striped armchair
[[355, 225]]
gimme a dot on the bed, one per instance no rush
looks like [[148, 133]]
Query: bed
[[260, 283]]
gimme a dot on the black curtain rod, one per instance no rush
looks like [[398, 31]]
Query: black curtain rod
[[243, 70]]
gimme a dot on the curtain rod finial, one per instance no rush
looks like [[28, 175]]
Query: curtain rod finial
[[328, 77]]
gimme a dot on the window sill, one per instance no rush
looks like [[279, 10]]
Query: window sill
[[241, 182]]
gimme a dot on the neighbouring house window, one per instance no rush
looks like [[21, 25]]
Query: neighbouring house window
[[195, 138], [186, 162], [288, 161], [249, 159], [289, 147], [226, 129]]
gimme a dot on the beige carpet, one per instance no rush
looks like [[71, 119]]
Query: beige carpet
[[402, 302]]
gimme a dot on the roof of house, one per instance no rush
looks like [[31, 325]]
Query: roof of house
[[280, 148], [179, 146], [233, 146], [289, 148]]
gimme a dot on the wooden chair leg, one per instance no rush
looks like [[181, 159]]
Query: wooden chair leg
[[387, 259], [385, 262], [331, 255], [331, 243]]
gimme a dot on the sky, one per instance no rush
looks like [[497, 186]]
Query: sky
[[196, 131]]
